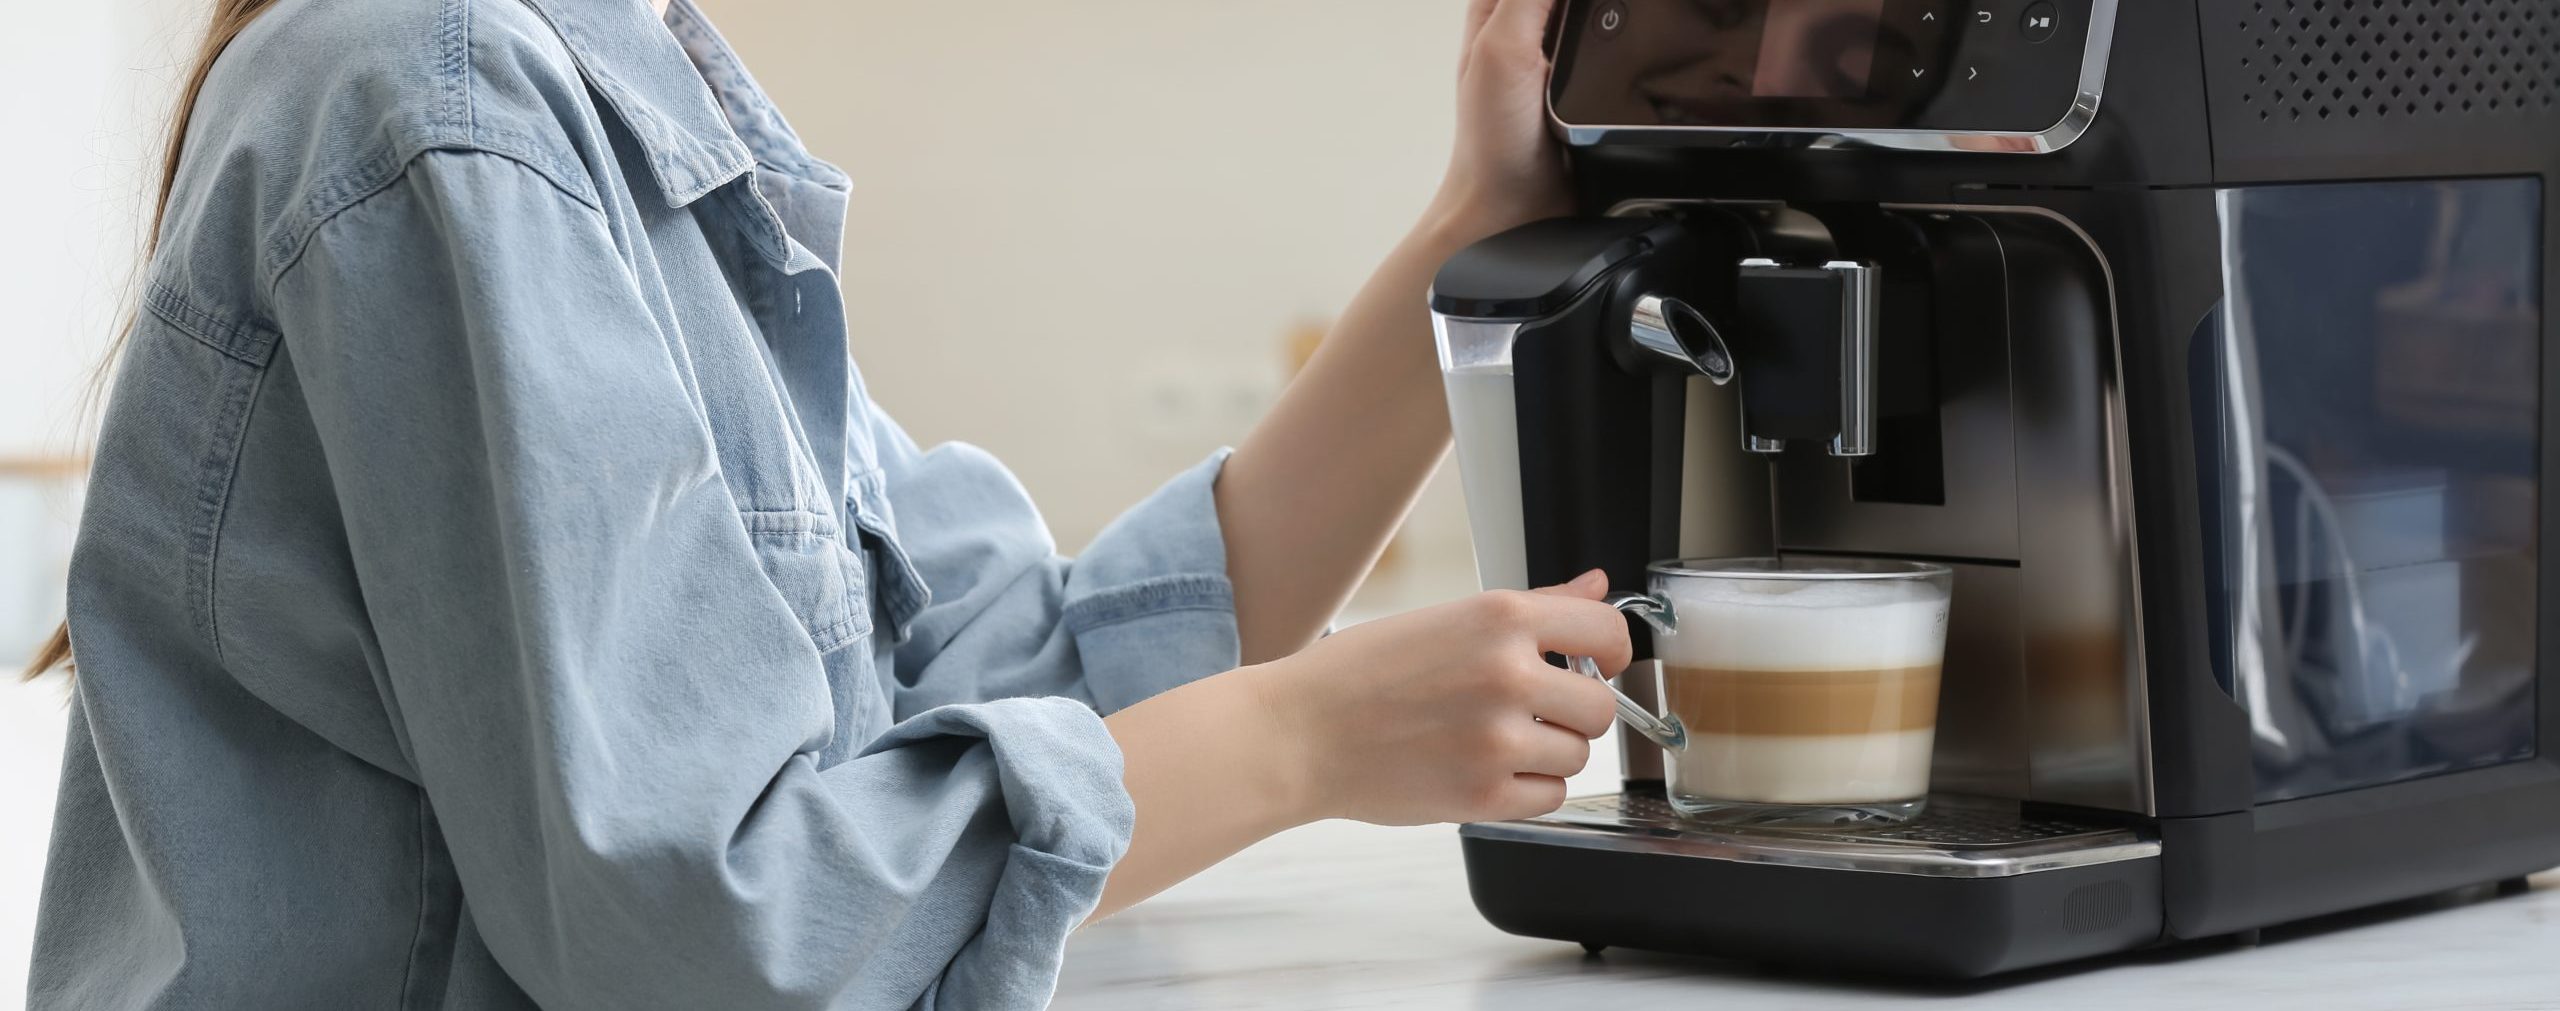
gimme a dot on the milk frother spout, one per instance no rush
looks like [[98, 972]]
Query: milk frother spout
[[1678, 334]]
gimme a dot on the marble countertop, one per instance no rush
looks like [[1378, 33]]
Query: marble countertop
[[1342, 915]]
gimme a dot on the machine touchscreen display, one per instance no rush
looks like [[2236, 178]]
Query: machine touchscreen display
[[1809, 48], [1937, 65]]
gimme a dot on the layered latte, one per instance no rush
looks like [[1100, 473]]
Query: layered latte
[[1804, 693]]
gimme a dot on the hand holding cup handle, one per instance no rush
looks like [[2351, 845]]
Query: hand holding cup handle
[[1663, 729]]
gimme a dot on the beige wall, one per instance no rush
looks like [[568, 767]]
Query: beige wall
[[1082, 231], [81, 119]]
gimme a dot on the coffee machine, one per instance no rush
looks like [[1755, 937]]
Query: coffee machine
[[2204, 339]]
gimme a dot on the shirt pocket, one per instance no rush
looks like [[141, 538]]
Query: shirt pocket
[[804, 555], [902, 591]]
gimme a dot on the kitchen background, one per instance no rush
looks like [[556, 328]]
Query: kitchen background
[[1092, 237]]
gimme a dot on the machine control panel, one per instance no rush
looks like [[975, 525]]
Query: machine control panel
[[1947, 68]]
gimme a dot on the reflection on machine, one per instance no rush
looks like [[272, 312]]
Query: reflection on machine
[[2378, 477]]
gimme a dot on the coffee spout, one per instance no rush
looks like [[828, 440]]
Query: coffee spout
[[1807, 339]]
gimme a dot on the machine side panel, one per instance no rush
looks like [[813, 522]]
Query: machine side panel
[[2165, 290], [2346, 89], [2089, 741], [2321, 855]]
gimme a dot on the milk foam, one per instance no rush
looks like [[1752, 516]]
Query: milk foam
[[1829, 769], [1781, 625]]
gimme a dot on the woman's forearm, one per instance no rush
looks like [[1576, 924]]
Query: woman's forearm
[[1311, 498], [1449, 713], [1211, 771]]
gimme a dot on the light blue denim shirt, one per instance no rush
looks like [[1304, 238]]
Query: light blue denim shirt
[[497, 589]]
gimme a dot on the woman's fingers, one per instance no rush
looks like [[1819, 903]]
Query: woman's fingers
[[1551, 750], [1567, 619], [1528, 796], [1478, 12], [1591, 585], [1574, 702], [1518, 25], [1569, 622]]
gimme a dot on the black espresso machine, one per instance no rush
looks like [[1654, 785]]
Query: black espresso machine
[[2204, 339]]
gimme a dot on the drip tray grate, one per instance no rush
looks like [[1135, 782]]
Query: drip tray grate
[[1955, 837], [1961, 822]]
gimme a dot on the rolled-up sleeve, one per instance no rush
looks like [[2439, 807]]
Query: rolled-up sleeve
[[614, 713], [992, 610]]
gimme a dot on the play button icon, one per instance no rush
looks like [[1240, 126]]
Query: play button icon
[[2041, 22]]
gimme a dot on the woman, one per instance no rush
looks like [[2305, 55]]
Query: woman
[[498, 590]]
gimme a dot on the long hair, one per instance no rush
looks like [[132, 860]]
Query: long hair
[[229, 17]]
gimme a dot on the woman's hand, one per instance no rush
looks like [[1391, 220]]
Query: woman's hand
[[1445, 714], [1507, 169], [1452, 713]]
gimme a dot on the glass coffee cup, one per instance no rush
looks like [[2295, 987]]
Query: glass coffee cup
[[1806, 688]]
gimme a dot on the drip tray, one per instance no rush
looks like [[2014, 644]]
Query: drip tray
[[1957, 837]]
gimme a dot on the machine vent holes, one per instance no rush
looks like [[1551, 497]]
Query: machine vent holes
[[2091, 908], [2331, 60]]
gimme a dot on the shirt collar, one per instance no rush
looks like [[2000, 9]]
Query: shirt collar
[[683, 94]]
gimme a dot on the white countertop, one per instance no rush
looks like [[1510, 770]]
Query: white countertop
[[1341, 915]]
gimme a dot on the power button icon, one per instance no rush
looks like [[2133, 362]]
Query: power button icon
[[1610, 19]]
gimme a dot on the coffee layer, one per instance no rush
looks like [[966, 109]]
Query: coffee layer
[[1800, 703]]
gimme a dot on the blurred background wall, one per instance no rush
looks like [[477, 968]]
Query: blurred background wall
[[1092, 237], [1085, 235], [82, 90]]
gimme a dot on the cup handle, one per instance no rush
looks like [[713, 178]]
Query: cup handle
[[1665, 729]]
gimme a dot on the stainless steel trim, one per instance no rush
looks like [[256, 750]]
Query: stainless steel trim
[[1658, 325], [1764, 447], [1858, 293], [2125, 540], [2074, 124], [1593, 823]]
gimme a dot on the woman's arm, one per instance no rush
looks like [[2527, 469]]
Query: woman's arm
[[1310, 499], [1446, 714]]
